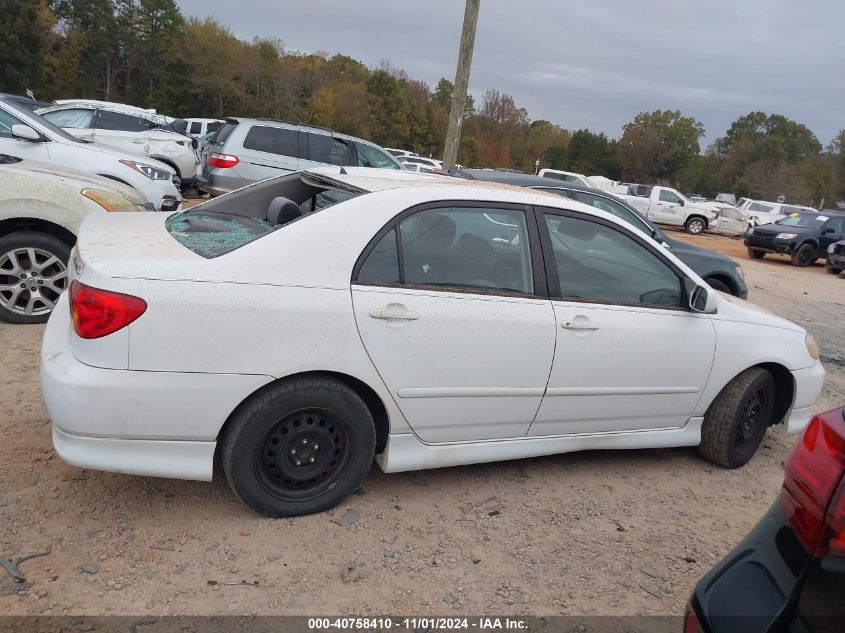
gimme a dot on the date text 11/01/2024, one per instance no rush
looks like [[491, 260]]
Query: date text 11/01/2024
[[416, 624]]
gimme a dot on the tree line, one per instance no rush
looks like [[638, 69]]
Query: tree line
[[145, 52]]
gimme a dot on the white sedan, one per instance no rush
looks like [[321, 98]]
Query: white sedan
[[303, 325]]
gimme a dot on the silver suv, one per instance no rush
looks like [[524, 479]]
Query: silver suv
[[245, 151]]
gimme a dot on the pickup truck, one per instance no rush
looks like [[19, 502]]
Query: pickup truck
[[669, 206]]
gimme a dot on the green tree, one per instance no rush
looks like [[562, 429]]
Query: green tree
[[25, 28], [592, 154], [771, 137], [656, 145]]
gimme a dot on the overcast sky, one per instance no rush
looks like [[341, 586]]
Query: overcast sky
[[589, 63]]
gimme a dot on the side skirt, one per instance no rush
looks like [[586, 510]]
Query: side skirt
[[406, 452]]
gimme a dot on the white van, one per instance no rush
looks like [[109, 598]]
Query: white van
[[201, 127], [565, 176]]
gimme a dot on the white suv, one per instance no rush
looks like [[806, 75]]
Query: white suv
[[130, 129]]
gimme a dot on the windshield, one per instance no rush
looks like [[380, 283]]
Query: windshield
[[804, 220], [30, 117]]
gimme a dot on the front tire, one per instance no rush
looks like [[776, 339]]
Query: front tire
[[755, 254], [298, 447], [737, 420], [805, 256], [832, 270], [33, 274], [695, 225]]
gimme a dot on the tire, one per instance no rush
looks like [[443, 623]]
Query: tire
[[755, 254], [737, 420], [695, 225], [721, 286], [832, 270], [298, 447], [33, 274], [806, 255]]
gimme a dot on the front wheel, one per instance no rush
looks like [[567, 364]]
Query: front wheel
[[832, 270], [755, 254], [33, 274], [804, 256], [737, 419], [298, 447], [695, 225]]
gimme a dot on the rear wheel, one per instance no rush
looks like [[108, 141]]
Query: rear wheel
[[755, 254], [735, 423], [299, 447], [805, 255], [695, 225], [33, 274]]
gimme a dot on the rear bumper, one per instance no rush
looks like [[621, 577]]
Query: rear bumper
[[140, 422], [217, 183], [156, 458]]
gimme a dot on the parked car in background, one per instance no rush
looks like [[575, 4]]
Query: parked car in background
[[788, 573], [762, 212], [727, 198], [668, 206], [730, 220], [694, 197], [400, 152], [200, 127], [803, 236], [720, 272], [41, 208], [565, 176], [454, 274], [431, 163], [245, 151], [27, 135], [129, 129], [836, 257], [24, 102]]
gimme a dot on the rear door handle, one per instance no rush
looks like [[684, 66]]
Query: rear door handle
[[393, 312], [578, 325]]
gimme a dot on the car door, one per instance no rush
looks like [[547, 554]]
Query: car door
[[832, 231], [75, 121], [629, 355], [267, 151], [668, 208], [450, 305], [122, 131], [21, 148], [732, 221], [321, 148]]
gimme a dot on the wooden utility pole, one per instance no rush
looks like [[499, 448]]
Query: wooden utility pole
[[459, 96]]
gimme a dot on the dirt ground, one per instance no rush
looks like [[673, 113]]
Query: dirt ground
[[626, 532]]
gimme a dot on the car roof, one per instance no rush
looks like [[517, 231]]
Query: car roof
[[526, 180], [304, 126]]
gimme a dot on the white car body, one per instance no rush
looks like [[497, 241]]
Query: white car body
[[410, 161], [129, 129], [763, 212], [399, 153], [567, 176], [670, 207], [200, 127], [472, 377], [57, 148]]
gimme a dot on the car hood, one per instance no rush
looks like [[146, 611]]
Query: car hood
[[741, 311], [73, 178], [683, 249], [119, 155], [774, 229]]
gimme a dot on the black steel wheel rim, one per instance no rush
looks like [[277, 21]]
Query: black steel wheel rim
[[303, 455], [805, 255], [750, 420]]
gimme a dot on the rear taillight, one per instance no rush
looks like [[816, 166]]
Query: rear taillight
[[812, 475], [216, 159], [691, 623], [97, 313]]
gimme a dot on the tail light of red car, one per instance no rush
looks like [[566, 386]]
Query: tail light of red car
[[97, 313], [813, 495], [224, 161]]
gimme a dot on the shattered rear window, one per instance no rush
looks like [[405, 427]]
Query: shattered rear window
[[211, 233]]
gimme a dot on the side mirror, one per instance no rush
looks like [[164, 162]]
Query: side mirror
[[682, 203], [703, 300], [828, 231], [26, 133]]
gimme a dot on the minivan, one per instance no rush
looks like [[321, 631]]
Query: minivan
[[245, 151]]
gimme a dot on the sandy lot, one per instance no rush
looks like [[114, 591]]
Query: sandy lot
[[589, 533]]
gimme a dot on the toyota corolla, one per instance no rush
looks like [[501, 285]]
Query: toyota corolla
[[300, 326]]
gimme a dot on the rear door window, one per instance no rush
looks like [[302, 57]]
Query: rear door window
[[273, 140], [196, 127]]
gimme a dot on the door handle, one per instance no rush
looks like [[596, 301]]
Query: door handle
[[394, 312], [578, 325]]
